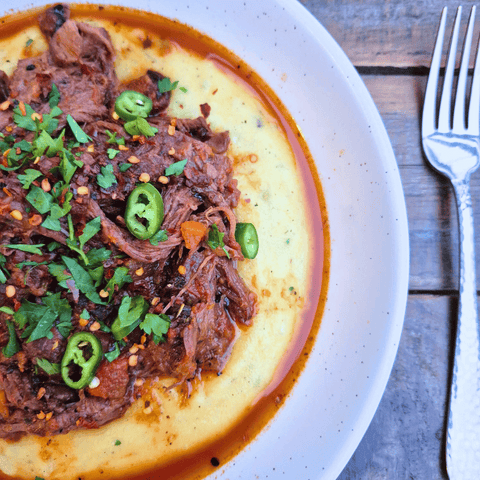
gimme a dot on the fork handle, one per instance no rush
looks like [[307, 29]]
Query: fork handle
[[463, 431]]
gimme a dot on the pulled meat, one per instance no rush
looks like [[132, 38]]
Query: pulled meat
[[198, 289]]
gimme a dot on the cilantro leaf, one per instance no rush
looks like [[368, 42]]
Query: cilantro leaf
[[3, 270], [215, 239], [35, 249], [29, 177], [140, 126], [83, 281], [160, 236], [96, 256], [176, 168], [77, 131], [43, 327], [106, 179], [124, 167], [29, 264], [24, 146], [48, 367], [112, 153], [60, 273], [12, 347], [120, 277], [130, 314], [158, 325], [90, 230], [62, 310], [53, 246], [53, 96], [25, 121], [68, 165], [112, 355], [49, 122], [45, 142], [165, 85], [40, 199], [112, 138], [52, 222]]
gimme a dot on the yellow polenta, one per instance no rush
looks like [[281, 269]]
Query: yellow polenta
[[272, 198]]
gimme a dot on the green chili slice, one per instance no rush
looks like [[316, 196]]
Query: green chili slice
[[81, 359], [144, 212], [130, 104], [246, 236]]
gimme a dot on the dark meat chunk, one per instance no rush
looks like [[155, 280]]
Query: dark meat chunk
[[4, 90], [148, 85], [53, 18]]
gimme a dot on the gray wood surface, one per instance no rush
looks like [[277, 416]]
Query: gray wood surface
[[391, 43]]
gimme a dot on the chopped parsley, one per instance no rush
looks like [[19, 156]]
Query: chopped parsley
[[112, 153], [12, 346], [77, 131], [35, 249], [165, 85], [176, 168], [38, 319], [112, 138], [215, 239], [3, 271], [28, 177], [157, 325], [119, 278], [107, 178], [124, 167], [160, 236], [140, 126], [111, 356], [54, 96], [48, 367]]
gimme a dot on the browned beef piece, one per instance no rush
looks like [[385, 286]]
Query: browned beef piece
[[53, 18], [80, 62], [4, 90], [148, 85], [204, 300]]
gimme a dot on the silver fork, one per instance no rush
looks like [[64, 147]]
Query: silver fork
[[454, 150]]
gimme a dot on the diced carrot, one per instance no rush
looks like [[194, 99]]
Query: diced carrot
[[4, 413], [113, 379], [193, 233]]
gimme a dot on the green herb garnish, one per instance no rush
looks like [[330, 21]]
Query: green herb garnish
[[140, 126], [77, 131], [48, 367], [176, 168], [215, 239], [107, 178]]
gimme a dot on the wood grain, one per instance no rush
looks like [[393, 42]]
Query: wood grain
[[386, 33], [406, 437]]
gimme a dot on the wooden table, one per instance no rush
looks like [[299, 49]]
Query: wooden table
[[390, 42]]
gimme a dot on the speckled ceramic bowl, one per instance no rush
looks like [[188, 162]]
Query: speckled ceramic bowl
[[317, 430]]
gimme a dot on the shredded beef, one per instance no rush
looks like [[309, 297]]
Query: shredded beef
[[198, 290]]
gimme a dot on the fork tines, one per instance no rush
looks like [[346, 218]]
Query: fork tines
[[459, 126]]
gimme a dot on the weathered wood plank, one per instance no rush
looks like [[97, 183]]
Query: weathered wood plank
[[394, 33], [399, 100], [429, 197], [433, 228], [406, 437]]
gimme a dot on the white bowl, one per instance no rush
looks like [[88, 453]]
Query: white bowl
[[317, 430]]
